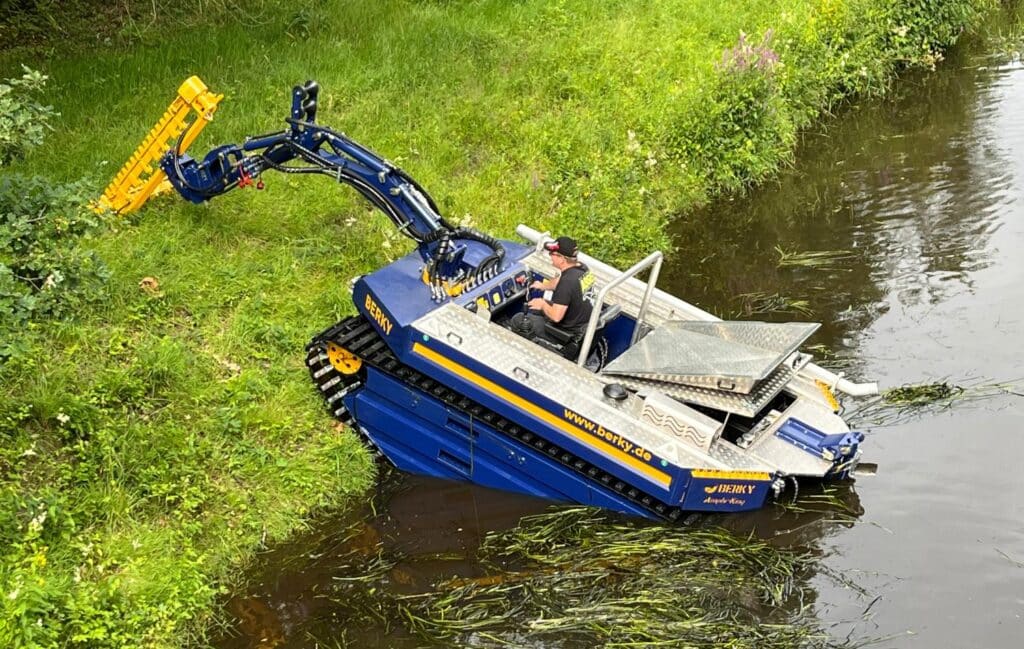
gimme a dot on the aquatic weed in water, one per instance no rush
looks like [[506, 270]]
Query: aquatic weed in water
[[901, 404], [759, 303], [918, 395], [815, 259], [580, 577]]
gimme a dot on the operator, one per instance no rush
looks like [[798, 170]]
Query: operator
[[571, 299]]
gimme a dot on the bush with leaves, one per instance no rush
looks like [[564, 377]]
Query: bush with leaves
[[44, 271], [738, 129], [23, 120]]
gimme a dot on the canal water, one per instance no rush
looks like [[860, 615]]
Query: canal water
[[919, 201]]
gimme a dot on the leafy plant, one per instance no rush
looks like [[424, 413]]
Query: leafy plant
[[23, 120], [738, 130], [44, 271]]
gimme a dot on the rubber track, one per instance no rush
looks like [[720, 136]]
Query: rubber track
[[358, 336]]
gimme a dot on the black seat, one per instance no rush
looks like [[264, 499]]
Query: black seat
[[568, 342]]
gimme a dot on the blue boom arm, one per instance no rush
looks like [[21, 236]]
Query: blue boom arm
[[308, 148]]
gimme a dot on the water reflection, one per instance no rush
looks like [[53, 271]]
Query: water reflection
[[911, 187]]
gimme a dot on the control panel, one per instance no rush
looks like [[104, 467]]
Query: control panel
[[507, 287]]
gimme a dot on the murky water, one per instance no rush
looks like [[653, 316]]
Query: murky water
[[925, 192]]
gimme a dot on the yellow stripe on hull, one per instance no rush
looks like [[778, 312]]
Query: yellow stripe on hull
[[649, 472], [720, 474]]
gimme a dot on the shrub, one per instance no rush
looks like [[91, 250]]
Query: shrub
[[738, 129], [23, 121], [44, 271]]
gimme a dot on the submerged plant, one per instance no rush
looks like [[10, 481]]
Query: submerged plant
[[816, 259], [581, 577], [763, 303]]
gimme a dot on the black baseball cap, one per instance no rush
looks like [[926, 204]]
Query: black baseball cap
[[565, 246]]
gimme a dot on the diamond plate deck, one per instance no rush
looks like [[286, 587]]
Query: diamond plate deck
[[729, 356], [664, 307], [545, 372]]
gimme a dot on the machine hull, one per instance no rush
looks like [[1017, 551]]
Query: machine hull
[[440, 425], [443, 387]]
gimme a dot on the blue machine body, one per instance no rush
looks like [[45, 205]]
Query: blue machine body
[[432, 409], [424, 435]]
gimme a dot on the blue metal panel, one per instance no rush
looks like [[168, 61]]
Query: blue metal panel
[[725, 495], [619, 333], [818, 443], [399, 290], [513, 412], [421, 435]]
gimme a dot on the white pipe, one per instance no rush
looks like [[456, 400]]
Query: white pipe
[[834, 380]]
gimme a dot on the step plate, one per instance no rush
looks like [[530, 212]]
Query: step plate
[[746, 405]]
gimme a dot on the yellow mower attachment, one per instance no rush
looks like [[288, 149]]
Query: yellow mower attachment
[[141, 177]]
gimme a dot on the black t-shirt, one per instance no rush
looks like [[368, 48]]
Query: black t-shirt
[[572, 291]]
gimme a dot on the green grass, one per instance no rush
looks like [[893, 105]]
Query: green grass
[[152, 443]]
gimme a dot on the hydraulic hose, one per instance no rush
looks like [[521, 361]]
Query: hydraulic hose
[[368, 191]]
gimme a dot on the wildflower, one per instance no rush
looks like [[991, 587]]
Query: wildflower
[[63, 418], [36, 524], [632, 145]]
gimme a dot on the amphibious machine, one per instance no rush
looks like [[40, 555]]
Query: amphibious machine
[[656, 409]]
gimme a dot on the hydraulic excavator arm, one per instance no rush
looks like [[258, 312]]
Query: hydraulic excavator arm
[[306, 147]]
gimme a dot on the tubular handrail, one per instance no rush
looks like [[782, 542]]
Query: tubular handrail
[[655, 259], [693, 312]]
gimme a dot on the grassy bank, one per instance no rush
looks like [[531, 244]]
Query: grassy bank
[[154, 439]]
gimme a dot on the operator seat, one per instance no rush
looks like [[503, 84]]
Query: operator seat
[[568, 342]]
